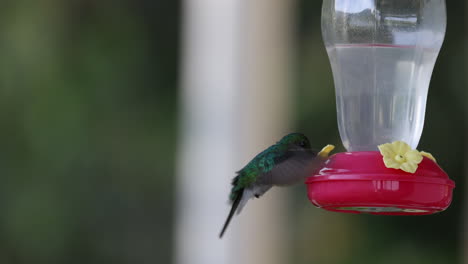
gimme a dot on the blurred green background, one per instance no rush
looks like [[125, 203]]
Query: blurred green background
[[88, 115]]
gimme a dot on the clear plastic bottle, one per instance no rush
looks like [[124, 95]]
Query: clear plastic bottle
[[382, 54]]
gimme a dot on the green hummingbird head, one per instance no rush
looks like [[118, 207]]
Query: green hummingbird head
[[295, 141]]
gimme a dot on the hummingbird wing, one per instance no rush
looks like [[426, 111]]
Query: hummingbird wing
[[291, 168]]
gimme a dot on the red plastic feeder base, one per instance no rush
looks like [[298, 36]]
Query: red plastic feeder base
[[359, 182]]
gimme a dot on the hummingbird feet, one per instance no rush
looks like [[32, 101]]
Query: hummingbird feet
[[257, 196]]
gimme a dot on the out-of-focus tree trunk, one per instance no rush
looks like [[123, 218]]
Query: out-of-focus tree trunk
[[235, 98]]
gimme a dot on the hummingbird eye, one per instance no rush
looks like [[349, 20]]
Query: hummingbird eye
[[302, 143]]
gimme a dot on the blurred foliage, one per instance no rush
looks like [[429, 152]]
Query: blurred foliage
[[87, 115]]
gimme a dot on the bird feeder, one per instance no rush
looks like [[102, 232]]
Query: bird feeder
[[382, 54]]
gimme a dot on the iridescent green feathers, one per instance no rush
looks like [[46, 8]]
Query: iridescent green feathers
[[266, 160], [283, 163]]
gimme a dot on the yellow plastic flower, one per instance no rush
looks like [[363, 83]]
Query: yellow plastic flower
[[325, 151], [428, 155], [399, 155]]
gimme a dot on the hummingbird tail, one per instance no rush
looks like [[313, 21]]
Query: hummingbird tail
[[235, 204]]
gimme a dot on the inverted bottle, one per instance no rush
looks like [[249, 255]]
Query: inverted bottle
[[382, 55]]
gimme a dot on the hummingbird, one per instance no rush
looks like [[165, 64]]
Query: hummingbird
[[287, 162]]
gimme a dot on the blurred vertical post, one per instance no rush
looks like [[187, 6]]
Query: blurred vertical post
[[265, 116], [210, 77], [234, 98]]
